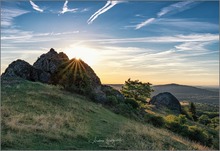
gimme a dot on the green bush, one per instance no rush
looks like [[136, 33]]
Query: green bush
[[123, 109], [204, 119], [186, 113], [176, 124], [199, 135], [183, 130], [132, 102], [182, 119], [214, 122], [157, 121], [111, 100]]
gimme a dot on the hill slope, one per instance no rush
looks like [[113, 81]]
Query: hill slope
[[189, 93], [40, 116]]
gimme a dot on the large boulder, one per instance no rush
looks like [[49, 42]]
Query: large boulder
[[166, 100], [21, 68]]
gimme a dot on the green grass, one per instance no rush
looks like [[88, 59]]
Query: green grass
[[38, 116]]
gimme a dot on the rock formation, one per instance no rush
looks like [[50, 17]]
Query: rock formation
[[76, 75], [166, 100], [50, 61], [56, 68], [21, 68]]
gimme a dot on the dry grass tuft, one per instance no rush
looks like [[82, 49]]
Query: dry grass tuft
[[64, 123]]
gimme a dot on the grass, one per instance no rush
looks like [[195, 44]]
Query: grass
[[38, 116]]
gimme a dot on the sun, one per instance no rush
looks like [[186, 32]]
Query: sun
[[88, 55]]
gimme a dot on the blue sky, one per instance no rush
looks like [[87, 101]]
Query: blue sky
[[160, 42]]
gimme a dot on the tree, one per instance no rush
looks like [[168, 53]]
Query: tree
[[136, 90], [192, 110]]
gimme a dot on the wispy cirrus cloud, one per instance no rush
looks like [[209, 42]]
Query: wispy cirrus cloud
[[174, 8], [184, 24], [36, 7], [148, 21], [66, 9], [162, 39], [17, 36], [104, 9], [171, 9], [8, 14]]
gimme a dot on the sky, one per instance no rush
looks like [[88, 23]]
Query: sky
[[159, 42]]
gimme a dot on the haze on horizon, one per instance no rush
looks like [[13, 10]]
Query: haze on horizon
[[156, 42]]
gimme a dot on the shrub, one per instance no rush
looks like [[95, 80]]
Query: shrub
[[132, 102], [176, 124], [182, 119], [123, 109], [186, 113], [199, 135], [184, 131], [204, 119], [111, 100], [214, 122], [171, 118], [156, 121]]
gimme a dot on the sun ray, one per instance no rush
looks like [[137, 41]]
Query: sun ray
[[66, 68], [82, 67], [76, 68]]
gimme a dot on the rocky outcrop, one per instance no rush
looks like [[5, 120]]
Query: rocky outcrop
[[56, 68], [50, 61], [94, 79], [166, 100], [21, 68], [76, 75]]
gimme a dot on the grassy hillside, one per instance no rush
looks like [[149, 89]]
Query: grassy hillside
[[39, 116]]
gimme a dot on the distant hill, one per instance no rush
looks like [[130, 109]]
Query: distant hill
[[185, 93], [189, 93], [116, 86]]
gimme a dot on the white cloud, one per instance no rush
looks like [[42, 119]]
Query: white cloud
[[108, 5], [162, 39], [172, 9], [145, 23], [8, 14], [66, 9], [187, 24], [35, 7], [177, 7], [19, 36], [141, 61]]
